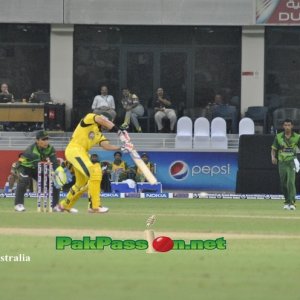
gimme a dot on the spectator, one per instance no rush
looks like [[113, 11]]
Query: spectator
[[104, 103], [5, 95], [218, 100], [133, 108], [211, 106], [163, 109], [119, 168], [140, 177], [219, 108], [105, 167]]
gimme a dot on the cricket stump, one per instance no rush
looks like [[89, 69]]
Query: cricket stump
[[149, 235]]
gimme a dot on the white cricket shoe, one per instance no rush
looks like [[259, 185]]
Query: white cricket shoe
[[56, 208], [19, 208], [59, 208], [73, 210], [292, 207], [286, 206], [100, 209]]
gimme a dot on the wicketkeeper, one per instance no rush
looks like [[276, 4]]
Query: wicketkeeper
[[87, 134], [39, 151]]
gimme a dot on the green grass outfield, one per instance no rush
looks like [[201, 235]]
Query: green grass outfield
[[262, 259]]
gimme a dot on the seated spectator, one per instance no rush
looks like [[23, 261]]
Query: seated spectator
[[228, 112], [119, 168], [5, 95], [133, 108], [163, 109], [104, 103], [218, 100], [140, 177]]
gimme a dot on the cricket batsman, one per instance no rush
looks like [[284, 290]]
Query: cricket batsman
[[87, 134]]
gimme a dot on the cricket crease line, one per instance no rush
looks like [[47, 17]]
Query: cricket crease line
[[125, 234], [186, 215], [216, 216]]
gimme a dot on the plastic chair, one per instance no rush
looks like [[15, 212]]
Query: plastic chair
[[201, 133], [184, 136], [258, 114], [246, 126], [228, 113], [218, 138], [146, 118]]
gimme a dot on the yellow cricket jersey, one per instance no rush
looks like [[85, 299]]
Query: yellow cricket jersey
[[120, 166], [87, 133]]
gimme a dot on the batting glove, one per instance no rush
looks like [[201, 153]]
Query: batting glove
[[123, 136], [127, 147]]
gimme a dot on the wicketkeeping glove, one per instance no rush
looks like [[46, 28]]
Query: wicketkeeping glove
[[59, 177], [127, 147], [68, 174], [297, 165]]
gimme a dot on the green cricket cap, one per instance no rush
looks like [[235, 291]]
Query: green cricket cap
[[42, 134]]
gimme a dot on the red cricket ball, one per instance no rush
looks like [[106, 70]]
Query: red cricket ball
[[163, 244]]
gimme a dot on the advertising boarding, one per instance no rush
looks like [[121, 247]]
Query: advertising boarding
[[206, 171]]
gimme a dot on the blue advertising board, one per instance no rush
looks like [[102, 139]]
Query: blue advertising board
[[203, 171]]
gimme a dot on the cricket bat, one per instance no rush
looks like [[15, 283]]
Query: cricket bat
[[142, 166], [124, 137]]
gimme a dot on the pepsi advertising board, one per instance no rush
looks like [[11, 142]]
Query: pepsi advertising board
[[194, 171]]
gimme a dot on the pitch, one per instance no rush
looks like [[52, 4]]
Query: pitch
[[261, 256]]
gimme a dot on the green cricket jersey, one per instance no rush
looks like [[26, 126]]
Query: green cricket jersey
[[286, 147], [33, 155]]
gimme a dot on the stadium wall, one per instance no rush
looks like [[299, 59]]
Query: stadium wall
[[154, 12], [62, 14]]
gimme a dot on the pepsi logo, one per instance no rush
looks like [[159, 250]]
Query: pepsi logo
[[179, 170]]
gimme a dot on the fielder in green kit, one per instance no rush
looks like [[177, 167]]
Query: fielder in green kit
[[285, 146]]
